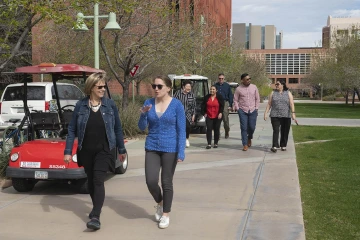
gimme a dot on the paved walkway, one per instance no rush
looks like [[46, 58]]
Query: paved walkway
[[222, 193], [329, 122]]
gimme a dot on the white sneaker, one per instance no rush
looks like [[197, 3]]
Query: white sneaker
[[164, 222], [159, 212], [187, 143]]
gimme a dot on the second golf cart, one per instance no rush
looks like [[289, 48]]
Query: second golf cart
[[200, 88]]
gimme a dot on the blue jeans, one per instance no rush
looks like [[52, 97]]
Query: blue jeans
[[247, 125]]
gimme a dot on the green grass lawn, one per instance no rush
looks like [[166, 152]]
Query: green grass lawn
[[326, 110], [329, 175]]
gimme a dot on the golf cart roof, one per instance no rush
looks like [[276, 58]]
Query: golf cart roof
[[64, 69], [191, 77], [233, 84]]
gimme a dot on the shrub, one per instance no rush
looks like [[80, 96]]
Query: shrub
[[329, 91], [130, 116], [340, 95], [4, 162], [264, 91], [329, 98]]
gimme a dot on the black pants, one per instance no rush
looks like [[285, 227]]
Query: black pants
[[96, 165], [167, 162], [188, 127], [281, 125], [213, 124]]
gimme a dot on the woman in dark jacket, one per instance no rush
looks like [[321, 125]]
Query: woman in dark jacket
[[212, 108], [97, 125]]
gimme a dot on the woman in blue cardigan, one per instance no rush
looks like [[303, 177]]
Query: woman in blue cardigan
[[165, 144]]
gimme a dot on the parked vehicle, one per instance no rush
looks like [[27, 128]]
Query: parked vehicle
[[40, 97], [41, 159], [233, 86], [200, 88]]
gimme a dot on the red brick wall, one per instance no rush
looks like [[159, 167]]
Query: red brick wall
[[116, 88]]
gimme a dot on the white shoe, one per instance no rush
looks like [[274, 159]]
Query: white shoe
[[164, 222], [159, 212], [187, 143]]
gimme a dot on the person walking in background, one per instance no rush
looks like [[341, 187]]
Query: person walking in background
[[187, 98], [212, 108], [281, 102], [246, 103], [164, 117], [224, 89], [97, 125]]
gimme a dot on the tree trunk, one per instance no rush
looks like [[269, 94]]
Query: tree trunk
[[125, 101], [347, 98], [138, 88], [357, 92], [353, 98]]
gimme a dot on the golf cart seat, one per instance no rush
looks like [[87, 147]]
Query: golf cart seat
[[45, 121], [66, 119]]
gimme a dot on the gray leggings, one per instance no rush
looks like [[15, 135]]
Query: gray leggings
[[167, 161]]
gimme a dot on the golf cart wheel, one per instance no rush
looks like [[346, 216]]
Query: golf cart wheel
[[23, 184], [82, 185], [203, 130], [123, 167]]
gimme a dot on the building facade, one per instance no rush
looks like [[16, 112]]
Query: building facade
[[338, 28], [256, 36], [291, 65]]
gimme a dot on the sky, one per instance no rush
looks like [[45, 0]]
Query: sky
[[301, 21]]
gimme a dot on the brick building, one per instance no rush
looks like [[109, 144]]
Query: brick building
[[291, 65]]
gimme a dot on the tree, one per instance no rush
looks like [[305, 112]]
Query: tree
[[19, 17], [147, 36], [338, 68]]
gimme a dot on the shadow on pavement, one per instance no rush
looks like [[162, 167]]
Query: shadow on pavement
[[82, 208]]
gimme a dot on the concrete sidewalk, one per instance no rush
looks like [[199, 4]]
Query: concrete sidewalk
[[222, 193], [329, 122]]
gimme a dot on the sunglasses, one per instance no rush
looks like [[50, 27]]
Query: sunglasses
[[247, 79], [159, 86], [100, 86], [277, 84], [221, 78]]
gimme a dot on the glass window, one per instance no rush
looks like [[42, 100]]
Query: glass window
[[198, 89], [67, 92], [293, 80], [16, 93]]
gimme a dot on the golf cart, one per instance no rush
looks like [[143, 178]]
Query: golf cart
[[200, 88], [38, 157], [233, 86]]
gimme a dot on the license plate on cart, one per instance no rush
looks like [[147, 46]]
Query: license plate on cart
[[41, 175]]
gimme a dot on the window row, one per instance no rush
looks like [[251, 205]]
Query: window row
[[291, 80]]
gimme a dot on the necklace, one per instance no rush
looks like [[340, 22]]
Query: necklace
[[95, 107]]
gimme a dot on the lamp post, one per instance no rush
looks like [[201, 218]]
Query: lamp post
[[111, 25], [321, 91]]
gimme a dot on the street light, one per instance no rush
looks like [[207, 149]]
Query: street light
[[111, 25], [321, 91]]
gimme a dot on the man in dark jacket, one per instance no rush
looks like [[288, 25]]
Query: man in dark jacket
[[224, 89]]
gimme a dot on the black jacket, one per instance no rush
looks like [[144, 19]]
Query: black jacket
[[220, 100]]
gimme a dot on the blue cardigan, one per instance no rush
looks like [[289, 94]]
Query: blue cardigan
[[167, 133]]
